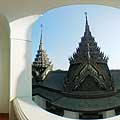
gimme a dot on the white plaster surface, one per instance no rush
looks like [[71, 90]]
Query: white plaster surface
[[20, 66], [21, 28], [27, 109], [32, 111], [20, 69], [15, 9]]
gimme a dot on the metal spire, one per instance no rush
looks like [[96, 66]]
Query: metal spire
[[86, 18], [41, 43], [87, 29]]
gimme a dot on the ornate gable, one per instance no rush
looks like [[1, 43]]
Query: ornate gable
[[87, 76]]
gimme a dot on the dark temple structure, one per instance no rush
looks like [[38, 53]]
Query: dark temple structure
[[89, 89], [41, 65], [88, 67]]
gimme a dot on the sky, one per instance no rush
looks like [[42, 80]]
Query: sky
[[63, 28]]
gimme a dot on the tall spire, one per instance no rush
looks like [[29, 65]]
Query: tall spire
[[87, 29], [88, 51], [88, 65], [41, 42], [41, 61]]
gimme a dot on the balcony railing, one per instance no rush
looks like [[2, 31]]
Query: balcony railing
[[26, 109]]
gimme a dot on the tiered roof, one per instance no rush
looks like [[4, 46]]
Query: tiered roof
[[88, 66], [41, 62], [88, 51]]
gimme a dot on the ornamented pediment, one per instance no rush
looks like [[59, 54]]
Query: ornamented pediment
[[90, 74]]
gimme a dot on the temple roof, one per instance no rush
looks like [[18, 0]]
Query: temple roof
[[48, 90], [88, 69], [88, 105], [41, 59], [55, 80], [88, 49], [88, 85]]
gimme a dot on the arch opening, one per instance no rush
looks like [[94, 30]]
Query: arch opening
[[71, 36]]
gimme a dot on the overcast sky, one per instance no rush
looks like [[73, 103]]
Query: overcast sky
[[63, 28]]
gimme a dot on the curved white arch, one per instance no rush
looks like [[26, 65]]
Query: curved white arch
[[15, 9], [26, 109]]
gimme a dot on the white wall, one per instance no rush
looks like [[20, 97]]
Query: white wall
[[20, 66], [20, 59], [4, 64]]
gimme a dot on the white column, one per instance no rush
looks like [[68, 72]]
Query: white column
[[109, 113], [4, 64], [20, 59], [70, 114], [21, 46]]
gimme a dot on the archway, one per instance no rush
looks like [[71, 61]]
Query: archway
[[16, 10]]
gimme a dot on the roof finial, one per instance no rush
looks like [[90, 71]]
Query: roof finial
[[41, 46], [86, 16], [87, 30]]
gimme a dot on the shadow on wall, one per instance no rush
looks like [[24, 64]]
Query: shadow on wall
[[21, 44], [24, 82]]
